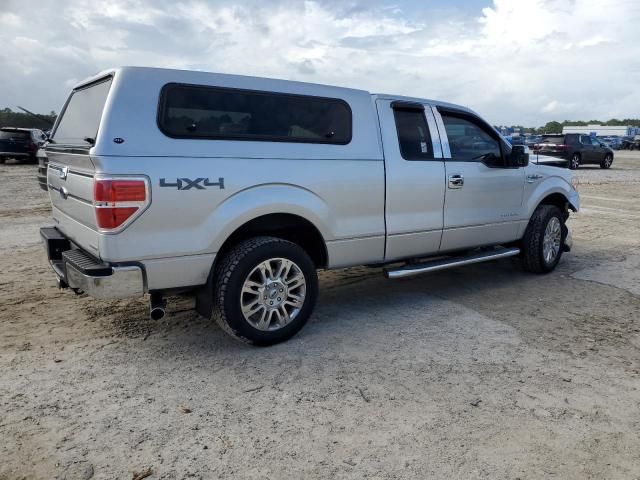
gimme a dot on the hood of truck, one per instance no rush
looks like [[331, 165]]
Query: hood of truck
[[550, 167], [549, 160]]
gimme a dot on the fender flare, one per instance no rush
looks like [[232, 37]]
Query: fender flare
[[259, 200], [254, 202], [550, 186]]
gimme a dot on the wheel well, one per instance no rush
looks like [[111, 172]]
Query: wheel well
[[286, 226], [559, 200]]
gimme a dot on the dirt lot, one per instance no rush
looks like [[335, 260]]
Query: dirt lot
[[480, 372]]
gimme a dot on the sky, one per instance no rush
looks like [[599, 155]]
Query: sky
[[520, 62]]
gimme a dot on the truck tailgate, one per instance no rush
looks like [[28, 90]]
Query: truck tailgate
[[70, 180]]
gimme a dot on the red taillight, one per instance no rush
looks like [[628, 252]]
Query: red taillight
[[117, 200], [111, 190], [111, 218]]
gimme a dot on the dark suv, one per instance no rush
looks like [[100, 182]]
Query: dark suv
[[576, 148], [20, 143]]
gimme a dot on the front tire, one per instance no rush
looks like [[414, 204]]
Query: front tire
[[574, 163], [607, 161], [265, 289], [543, 240]]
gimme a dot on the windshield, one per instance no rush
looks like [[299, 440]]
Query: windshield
[[81, 116]]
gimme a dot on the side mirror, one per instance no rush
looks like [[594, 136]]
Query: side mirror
[[519, 156]]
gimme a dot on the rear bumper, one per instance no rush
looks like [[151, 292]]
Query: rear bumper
[[76, 269]]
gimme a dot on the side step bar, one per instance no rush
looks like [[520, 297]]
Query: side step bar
[[442, 264]]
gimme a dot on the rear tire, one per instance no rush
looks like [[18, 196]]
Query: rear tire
[[265, 289], [606, 163], [543, 241], [574, 163]]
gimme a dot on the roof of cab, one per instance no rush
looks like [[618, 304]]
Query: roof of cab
[[437, 103]]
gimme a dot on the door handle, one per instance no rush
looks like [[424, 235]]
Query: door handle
[[456, 181], [533, 178]]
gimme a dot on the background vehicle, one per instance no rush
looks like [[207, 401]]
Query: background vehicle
[[629, 143], [577, 149], [237, 189], [611, 142], [20, 143], [531, 140]]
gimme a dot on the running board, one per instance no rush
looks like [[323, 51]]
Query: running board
[[442, 264]]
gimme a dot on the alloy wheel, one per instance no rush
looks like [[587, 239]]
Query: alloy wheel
[[575, 162], [551, 241], [273, 294]]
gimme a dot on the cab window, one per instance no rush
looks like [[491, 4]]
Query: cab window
[[413, 134], [469, 141]]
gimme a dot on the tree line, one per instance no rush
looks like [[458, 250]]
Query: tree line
[[9, 118]]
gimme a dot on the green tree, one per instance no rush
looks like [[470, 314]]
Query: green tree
[[552, 127], [9, 118]]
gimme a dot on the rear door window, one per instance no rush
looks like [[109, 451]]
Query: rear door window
[[193, 111], [413, 134], [81, 116]]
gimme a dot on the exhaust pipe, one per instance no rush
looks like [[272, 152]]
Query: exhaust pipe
[[157, 306]]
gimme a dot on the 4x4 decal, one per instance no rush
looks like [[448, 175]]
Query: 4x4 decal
[[188, 184]]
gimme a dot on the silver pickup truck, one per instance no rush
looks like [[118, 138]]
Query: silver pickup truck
[[237, 189]]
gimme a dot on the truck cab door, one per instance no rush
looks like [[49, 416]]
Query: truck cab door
[[484, 195], [414, 172]]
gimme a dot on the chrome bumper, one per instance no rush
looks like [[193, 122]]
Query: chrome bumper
[[76, 269], [124, 282]]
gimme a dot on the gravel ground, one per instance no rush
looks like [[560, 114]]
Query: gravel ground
[[480, 372]]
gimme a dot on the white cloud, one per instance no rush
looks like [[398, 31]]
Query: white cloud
[[513, 61], [550, 107]]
